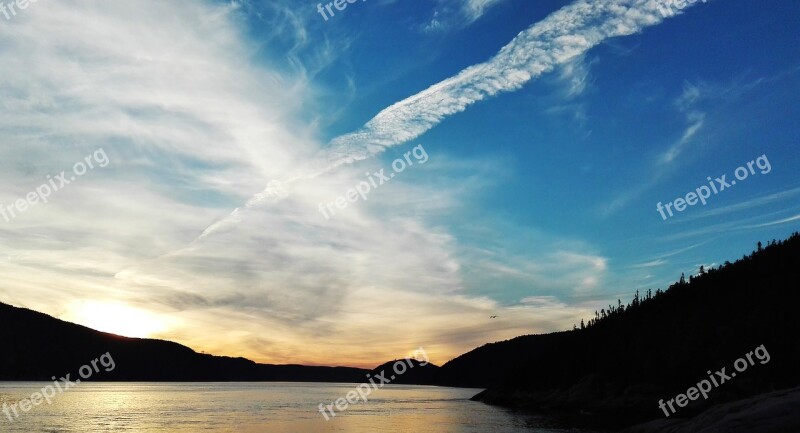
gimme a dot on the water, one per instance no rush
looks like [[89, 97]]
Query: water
[[255, 407]]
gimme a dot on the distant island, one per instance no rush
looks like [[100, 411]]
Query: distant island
[[610, 370]]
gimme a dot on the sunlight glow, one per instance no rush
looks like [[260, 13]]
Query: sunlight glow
[[116, 318]]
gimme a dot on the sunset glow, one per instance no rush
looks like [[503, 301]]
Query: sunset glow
[[115, 318]]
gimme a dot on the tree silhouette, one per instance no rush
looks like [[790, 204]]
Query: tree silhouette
[[612, 313]]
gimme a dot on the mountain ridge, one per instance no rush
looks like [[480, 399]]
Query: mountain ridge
[[39, 346]]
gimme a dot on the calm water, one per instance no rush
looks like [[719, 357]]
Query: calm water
[[256, 407]]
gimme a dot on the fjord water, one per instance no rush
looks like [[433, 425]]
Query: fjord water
[[256, 407]]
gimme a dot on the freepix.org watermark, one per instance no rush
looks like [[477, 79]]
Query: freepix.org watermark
[[10, 10], [361, 392], [338, 4], [54, 183], [363, 188], [702, 193], [63, 384], [718, 378]]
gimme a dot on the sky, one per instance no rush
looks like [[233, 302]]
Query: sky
[[270, 180]]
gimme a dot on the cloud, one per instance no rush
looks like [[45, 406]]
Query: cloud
[[777, 222], [692, 104], [749, 204], [696, 121], [530, 263], [557, 40], [194, 122], [456, 14], [664, 164], [190, 121], [747, 223], [572, 81], [576, 76], [650, 264], [474, 9]]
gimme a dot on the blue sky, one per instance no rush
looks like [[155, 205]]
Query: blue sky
[[552, 131]]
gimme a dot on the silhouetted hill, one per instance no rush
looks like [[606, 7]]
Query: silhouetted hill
[[656, 347], [37, 347], [418, 374]]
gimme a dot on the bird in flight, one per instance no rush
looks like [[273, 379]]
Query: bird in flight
[[492, 317]]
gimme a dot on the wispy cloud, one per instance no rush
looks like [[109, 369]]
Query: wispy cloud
[[692, 104], [573, 80], [696, 120], [575, 75], [747, 223], [558, 39], [664, 164], [650, 264], [748, 204], [190, 121], [449, 14], [194, 123], [777, 222], [474, 9]]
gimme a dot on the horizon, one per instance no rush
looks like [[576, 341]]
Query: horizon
[[415, 354], [261, 180]]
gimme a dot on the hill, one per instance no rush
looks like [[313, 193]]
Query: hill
[[631, 356], [407, 372], [37, 347]]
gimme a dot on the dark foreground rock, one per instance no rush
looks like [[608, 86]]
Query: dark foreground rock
[[775, 412]]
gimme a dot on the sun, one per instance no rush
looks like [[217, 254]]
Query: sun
[[116, 318]]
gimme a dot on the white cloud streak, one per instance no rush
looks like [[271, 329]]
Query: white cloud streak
[[556, 40]]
